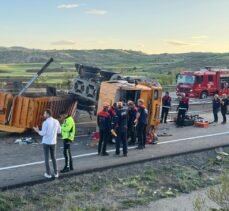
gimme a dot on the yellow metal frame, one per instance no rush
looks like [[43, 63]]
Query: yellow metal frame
[[28, 112]]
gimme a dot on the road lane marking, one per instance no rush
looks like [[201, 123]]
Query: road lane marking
[[58, 159], [193, 138], [113, 150]]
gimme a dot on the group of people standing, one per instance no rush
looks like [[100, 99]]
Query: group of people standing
[[182, 108], [50, 129], [220, 104], [122, 122]]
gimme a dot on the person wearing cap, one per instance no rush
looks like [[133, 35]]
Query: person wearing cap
[[104, 124], [141, 124], [121, 129], [182, 110], [224, 104], [68, 130], [166, 105], [215, 107], [132, 112]]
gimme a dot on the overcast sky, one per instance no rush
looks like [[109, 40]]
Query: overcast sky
[[151, 26]]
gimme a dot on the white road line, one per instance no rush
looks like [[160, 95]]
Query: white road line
[[192, 138], [95, 153], [58, 159]]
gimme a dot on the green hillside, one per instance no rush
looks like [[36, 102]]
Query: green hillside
[[18, 61]]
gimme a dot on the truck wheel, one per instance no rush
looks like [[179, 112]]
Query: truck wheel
[[203, 95]]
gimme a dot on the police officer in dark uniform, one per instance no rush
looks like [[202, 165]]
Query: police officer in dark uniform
[[121, 129], [182, 109], [141, 123], [216, 106], [104, 123], [112, 112], [166, 105], [224, 104], [132, 112]]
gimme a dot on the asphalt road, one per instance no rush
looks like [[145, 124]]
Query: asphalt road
[[24, 163]]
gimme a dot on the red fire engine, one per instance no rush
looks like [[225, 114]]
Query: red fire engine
[[203, 83]]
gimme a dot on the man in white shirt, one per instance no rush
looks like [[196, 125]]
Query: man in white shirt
[[50, 129]]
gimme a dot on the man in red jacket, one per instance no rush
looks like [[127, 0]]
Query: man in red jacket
[[104, 123], [182, 109], [166, 105]]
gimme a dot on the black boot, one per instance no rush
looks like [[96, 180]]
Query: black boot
[[65, 170]]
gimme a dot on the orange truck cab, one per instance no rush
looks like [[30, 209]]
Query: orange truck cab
[[114, 91]]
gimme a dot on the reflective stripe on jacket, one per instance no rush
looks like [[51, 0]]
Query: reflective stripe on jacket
[[68, 129]]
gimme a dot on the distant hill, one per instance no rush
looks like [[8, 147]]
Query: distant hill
[[157, 63]]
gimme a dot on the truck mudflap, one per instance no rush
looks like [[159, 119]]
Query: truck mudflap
[[27, 113]]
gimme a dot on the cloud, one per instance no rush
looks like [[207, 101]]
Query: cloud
[[96, 12], [141, 45], [67, 6], [63, 42], [200, 37], [178, 43]]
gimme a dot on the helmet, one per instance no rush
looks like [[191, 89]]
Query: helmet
[[106, 105]]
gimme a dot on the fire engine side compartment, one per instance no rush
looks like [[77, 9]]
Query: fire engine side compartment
[[28, 112]]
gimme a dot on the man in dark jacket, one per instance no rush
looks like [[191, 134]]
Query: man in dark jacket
[[104, 123], [112, 112], [224, 104], [182, 109], [132, 112], [121, 129], [141, 123], [166, 105], [216, 106]]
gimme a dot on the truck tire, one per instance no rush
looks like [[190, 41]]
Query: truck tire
[[204, 95]]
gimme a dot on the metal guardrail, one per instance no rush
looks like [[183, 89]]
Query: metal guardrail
[[169, 86]]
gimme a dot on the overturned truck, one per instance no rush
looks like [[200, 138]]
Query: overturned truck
[[93, 86], [26, 112], [86, 86], [19, 113]]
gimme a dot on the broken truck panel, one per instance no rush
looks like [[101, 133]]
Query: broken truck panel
[[27, 113], [86, 86]]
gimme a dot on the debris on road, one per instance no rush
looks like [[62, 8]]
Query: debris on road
[[26, 140]]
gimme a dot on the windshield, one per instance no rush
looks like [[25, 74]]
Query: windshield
[[185, 79]]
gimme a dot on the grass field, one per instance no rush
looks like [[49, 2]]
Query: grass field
[[19, 71]]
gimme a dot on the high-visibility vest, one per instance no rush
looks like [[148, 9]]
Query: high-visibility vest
[[68, 129]]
